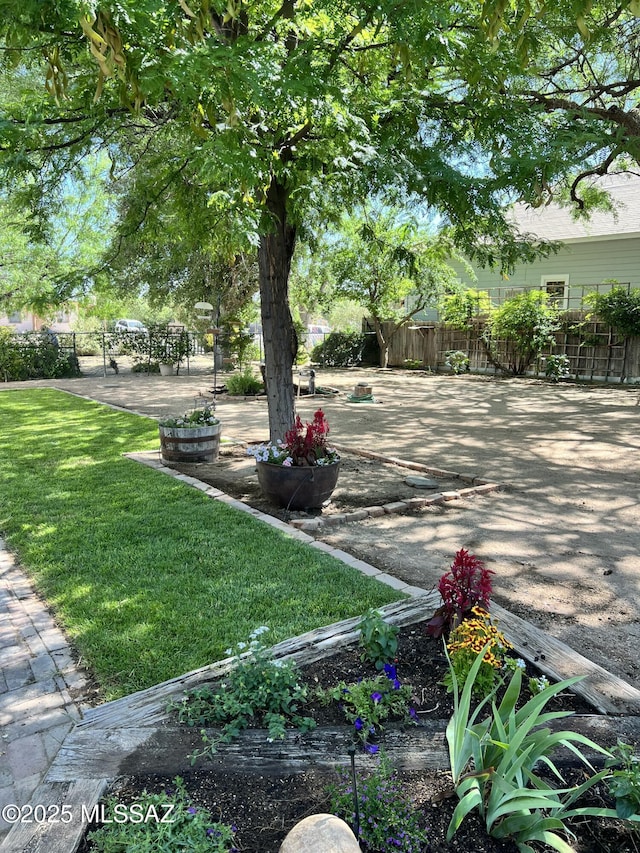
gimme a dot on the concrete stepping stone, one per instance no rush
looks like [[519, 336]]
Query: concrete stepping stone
[[422, 482]]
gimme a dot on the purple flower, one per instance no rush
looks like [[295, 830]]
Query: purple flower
[[372, 748], [390, 671], [211, 832], [358, 724], [413, 714], [192, 810], [376, 696]]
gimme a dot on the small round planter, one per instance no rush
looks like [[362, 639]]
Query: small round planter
[[298, 487], [194, 444]]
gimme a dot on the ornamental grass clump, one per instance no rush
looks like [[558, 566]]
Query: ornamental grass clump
[[466, 585], [304, 445]]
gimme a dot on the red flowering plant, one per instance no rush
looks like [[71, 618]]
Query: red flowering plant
[[466, 585], [303, 445]]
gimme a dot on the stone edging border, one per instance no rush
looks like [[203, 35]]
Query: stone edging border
[[313, 525], [477, 487]]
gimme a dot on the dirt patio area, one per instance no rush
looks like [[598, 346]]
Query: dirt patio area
[[562, 536]]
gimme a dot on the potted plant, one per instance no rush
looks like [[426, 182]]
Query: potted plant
[[300, 472], [193, 437], [169, 349]]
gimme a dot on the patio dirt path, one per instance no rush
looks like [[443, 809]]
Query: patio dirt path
[[562, 536]]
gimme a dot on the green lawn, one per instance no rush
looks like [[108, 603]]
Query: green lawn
[[148, 577]]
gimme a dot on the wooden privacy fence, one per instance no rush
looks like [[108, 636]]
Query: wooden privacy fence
[[594, 350]]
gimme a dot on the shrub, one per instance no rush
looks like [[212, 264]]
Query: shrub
[[340, 349], [459, 309], [457, 360], [619, 308], [526, 325], [557, 367], [33, 356], [244, 383]]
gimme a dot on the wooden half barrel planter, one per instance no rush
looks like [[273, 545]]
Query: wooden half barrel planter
[[298, 487], [190, 444]]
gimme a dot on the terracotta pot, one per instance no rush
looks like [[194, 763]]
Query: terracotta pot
[[298, 487], [195, 444]]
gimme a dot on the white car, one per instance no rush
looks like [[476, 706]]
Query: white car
[[130, 326]]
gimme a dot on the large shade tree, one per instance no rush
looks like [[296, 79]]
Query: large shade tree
[[271, 110], [392, 267]]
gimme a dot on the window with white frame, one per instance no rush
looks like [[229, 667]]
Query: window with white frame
[[557, 287]]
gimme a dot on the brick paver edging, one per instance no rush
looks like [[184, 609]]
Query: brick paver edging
[[476, 487]]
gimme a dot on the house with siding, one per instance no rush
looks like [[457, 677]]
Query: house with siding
[[595, 252]]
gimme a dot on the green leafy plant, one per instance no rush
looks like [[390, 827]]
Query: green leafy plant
[[303, 445], [378, 639], [33, 356], [624, 782], [519, 330], [412, 364], [256, 688], [457, 361], [203, 416], [386, 818], [494, 761], [556, 367], [160, 345], [164, 821], [244, 383], [619, 308], [371, 702], [339, 349], [466, 641], [459, 309]]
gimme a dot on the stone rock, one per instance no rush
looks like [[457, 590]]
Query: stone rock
[[421, 483], [320, 833]]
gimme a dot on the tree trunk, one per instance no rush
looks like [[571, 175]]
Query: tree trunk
[[383, 343], [280, 340]]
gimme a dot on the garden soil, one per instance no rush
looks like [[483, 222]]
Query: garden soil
[[562, 535]]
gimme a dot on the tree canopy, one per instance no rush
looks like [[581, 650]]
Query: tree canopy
[[265, 118], [391, 267]]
